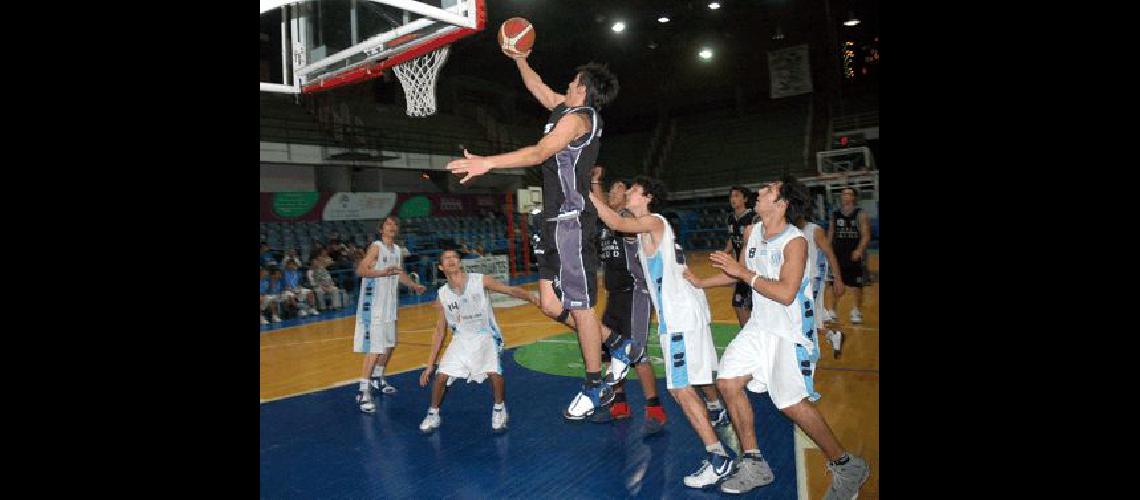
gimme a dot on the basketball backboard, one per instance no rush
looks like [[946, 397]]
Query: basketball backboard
[[837, 161], [313, 45]]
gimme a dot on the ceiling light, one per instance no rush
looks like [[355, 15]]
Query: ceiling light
[[618, 27], [706, 54], [714, 6], [851, 20], [663, 19]]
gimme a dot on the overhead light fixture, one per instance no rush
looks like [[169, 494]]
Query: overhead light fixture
[[663, 19], [618, 27], [706, 54], [851, 20], [779, 34], [714, 5]]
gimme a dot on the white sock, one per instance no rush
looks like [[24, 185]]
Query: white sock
[[433, 411], [713, 405], [716, 448], [500, 406], [364, 384], [378, 371]]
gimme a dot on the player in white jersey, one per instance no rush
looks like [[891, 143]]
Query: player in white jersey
[[776, 350], [819, 256], [381, 270], [682, 315], [464, 306]]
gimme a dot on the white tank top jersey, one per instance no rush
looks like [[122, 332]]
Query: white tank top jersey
[[815, 254], [683, 307], [766, 258], [386, 290], [469, 312]]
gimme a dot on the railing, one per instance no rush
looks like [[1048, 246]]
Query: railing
[[856, 121], [379, 138]]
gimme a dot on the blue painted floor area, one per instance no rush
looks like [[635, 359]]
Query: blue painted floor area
[[320, 446]]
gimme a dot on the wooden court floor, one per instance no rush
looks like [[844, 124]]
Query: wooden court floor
[[316, 356]]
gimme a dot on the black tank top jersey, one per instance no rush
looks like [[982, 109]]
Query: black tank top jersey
[[736, 229], [566, 174], [619, 256], [846, 236]]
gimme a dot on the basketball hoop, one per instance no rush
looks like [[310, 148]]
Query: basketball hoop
[[418, 79]]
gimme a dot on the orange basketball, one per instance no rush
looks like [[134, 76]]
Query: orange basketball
[[516, 35]]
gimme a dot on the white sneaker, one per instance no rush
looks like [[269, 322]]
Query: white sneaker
[[856, 317], [364, 402], [430, 423], [829, 315], [499, 419], [713, 468], [276, 319], [313, 312], [383, 386], [264, 321], [301, 313], [836, 339]]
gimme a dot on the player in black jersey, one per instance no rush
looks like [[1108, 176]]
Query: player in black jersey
[[849, 233], [626, 320], [568, 265], [740, 218]]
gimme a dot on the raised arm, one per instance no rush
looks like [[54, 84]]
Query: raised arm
[[625, 224], [545, 95], [571, 126], [596, 181], [493, 284]]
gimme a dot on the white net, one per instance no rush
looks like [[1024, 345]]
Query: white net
[[418, 79]]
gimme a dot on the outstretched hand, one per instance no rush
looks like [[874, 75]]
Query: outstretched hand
[[472, 165], [728, 264], [515, 55], [688, 274]]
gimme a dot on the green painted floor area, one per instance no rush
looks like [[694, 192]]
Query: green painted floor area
[[560, 355]]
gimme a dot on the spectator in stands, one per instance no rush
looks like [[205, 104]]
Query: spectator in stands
[[268, 300], [466, 251], [291, 256], [322, 282], [337, 251], [277, 291], [352, 254], [300, 295], [267, 258]]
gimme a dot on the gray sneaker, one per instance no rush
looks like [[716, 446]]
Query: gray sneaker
[[846, 479], [751, 473]]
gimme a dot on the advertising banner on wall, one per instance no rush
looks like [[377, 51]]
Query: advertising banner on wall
[[498, 267], [359, 206], [312, 206], [789, 71]]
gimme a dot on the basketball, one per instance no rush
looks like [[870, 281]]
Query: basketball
[[516, 35]]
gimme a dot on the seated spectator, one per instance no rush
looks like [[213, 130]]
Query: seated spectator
[[268, 300], [291, 255], [322, 283], [267, 258], [277, 292], [294, 290]]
